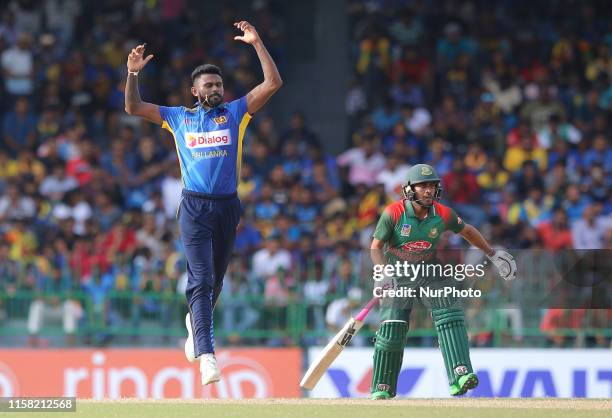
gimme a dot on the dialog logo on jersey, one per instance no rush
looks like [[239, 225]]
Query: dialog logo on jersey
[[208, 139]]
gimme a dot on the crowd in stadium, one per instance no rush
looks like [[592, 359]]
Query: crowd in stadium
[[511, 104]]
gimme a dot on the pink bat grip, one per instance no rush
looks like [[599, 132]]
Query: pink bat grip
[[364, 312]]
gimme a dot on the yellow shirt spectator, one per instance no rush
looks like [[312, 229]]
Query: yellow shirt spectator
[[516, 156], [493, 181]]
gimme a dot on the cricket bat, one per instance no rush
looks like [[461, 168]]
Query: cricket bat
[[335, 347]]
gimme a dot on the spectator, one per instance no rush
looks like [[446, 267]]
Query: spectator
[[248, 238], [171, 186], [453, 45], [461, 188], [517, 155], [9, 270], [408, 29], [539, 110], [393, 177], [239, 315], [266, 209], [555, 234], [600, 153], [356, 102], [439, 156], [299, 132], [97, 285], [492, 181], [341, 310], [14, 205], [506, 92], [363, 162], [411, 66], [527, 178], [57, 184], [149, 236], [315, 292], [385, 117], [18, 67], [268, 132], [556, 129], [556, 321], [417, 120], [535, 209], [19, 128], [451, 120], [271, 258], [475, 158], [50, 306], [374, 61], [590, 231], [574, 203]]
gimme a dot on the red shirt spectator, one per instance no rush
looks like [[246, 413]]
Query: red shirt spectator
[[411, 66], [556, 319], [556, 234], [460, 186], [523, 129], [120, 240]]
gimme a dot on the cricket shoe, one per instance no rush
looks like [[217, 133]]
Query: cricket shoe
[[189, 348], [208, 369], [380, 395], [463, 384]]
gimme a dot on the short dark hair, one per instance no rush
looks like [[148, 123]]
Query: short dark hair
[[205, 69]]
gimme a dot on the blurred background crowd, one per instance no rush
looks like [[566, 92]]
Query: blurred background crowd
[[511, 102]]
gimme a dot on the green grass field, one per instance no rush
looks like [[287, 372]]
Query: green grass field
[[337, 408]]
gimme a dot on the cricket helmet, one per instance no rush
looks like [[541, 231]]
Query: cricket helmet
[[421, 173]]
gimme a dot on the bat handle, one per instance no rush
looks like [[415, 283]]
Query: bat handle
[[364, 312]]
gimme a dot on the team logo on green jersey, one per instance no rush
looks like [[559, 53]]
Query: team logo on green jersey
[[433, 233], [405, 230]]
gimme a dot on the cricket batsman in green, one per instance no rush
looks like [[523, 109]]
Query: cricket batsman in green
[[410, 229]]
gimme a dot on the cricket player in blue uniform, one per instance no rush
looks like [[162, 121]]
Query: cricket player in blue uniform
[[208, 141]]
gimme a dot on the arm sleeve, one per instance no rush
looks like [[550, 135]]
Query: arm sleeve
[[455, 223], [172, 117], [384, 228]]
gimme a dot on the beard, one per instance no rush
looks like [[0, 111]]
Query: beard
[[425, 201], [211, 100]]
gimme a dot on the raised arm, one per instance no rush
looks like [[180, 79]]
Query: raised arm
[[133, 103], [257, 97]]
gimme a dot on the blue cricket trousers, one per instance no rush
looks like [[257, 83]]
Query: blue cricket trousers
[[208, 230]]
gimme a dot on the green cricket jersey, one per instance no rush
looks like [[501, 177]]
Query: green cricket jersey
[[407, 237]]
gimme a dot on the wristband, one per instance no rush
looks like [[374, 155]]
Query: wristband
[[133, 72]]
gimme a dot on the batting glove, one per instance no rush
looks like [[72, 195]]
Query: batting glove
[[505, 263]]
